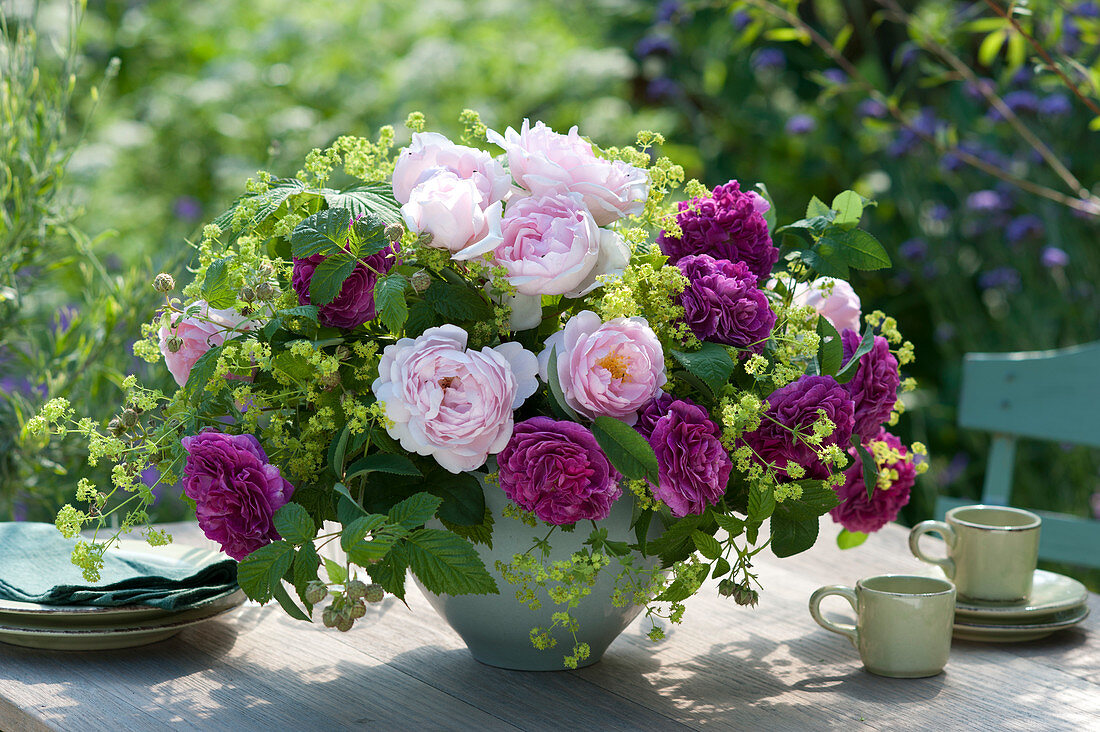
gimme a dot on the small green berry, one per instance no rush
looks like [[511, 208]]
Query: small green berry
[[164, 282], [358, 610], [356, 589], [264, 291], [374, 593], [315, 592]]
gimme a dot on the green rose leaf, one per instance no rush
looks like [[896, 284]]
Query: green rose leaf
[[867, 462], [761, 504], [816, 207], [555, 387], [322, 233], [304, 571], [201, 373], [849, 209], [283, 597], [382, 463], [707, 545], [769, 215], [294, 524], [845, 374], [308, 312], [627, 450], [268, 203], [369, 199], [850, 539], [336, 572], [415, 510], [827, 264], [830, 351], [328, 278], [447, 564], [389, 299], [462, 495], [390, 571], [730, 524], [790, 537], [711, 364], [370, 235], [860, 250], [217, 289], [357, 530], [457, 302], [261, 571], [816, 499]]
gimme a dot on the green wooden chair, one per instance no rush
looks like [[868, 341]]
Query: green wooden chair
[[1044, 395]]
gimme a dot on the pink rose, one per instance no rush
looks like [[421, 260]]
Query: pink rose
[[430, 151], [453, 404], [453, 211], [552, 246], [543, 161], [611, 368], [204, 329], [834, 299]]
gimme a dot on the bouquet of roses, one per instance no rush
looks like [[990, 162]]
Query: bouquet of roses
[[361, 363]]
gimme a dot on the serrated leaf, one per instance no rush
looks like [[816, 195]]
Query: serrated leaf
[[447, 564], [480, 533], [641, 529], [830, 351], [328, 277], [382, 463], [389, 299], [263, 569], [289, 606], [849, 208], [301, 311], [294, 524], [304, 571], [357, 530], [730, 524], [850, 539], [825, 266], [462, 495], [369, 198], [200, 374], [859, 249], [721, 567], [421, 317], [370, 235], [337, 574], [816, 500], [675, 544], [337, 451], [685, 586], [627, 450], [711, 364], [707, 545], [816, 207], [324, 233], [365, 553], [761, 503], [415, 510], [391, 570], [790, 537], [266, 203], [457, 302], [216, 287], [845, 374]]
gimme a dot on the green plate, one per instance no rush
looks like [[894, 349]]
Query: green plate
[[1009, 632], [1050, 593]]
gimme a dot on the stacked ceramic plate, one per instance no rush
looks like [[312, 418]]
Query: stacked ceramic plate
[[1056, 602], [88, 628]]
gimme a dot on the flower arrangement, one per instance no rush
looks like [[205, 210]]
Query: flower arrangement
[[360, 363]]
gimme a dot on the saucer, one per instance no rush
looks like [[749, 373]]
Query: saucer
[[1016, 632], [1050, 593]]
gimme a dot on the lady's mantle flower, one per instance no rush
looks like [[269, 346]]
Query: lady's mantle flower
[[451, 403]]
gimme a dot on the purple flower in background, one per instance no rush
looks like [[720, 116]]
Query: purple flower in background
[[906, 55], [1086, 9], [693, 466], [1020, 102], [874, 387], [800, 124], [914, 250], [668, 11], [187, 208], [1023, 76], [557, 471], [652, 45], [794, 407], [769, 59], [354, 304], [939, 212], [1024, 227], [662, 88], [1003, 278], [1052, 257], [64, 317], [944, 332], [872, 108], [856, 511], [954, 469], [985, 201], [835, 76], [235, 489], [909, 138], [722, 303], [977, 90], [1055, 105], [740, 20], [728, 225]]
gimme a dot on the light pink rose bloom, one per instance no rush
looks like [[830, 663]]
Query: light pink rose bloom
[[453, 404], [552, 246], [543, 161], [431, 151], [759, 204], [611, 368], [453, 211], [834, 299], [206, 328]]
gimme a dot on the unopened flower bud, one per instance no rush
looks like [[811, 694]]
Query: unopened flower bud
[[394, 232], [358, 610], [727, 587], [315, 592], [356, 589], [266, 271], [329, 617], [264, 291], [344, 623], [116, 427], [174, 344], [330, 380], [745, 595], [164, 282], [421, 280], [374, 593], [247, 294], [342, 353], [129, 417]]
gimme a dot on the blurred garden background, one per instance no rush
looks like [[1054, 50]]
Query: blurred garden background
[[125, 125]]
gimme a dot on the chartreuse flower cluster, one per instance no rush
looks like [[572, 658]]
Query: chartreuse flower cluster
[[582, 322]]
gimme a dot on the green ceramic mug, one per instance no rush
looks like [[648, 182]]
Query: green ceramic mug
[[903, 623], [991, 550]]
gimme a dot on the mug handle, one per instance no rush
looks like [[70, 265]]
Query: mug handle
[[844, 629], [947, 564]]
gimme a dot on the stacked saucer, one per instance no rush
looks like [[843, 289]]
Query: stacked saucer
[[86, 627], [1056, 602]]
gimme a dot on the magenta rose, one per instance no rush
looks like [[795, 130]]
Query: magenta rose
[[693, 466], [874, 387], [235, 489], [652, 411], [206, 328], [727, 225], [897, 473], [544, 162], [430, 152], [354, 304], [610, 368], [722, 303], [557, 471], [794, 407]]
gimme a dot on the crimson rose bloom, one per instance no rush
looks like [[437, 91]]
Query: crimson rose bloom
[[874, 387], [693, 466], [856, 512], [795, 406], [235, 489], [652, 411], [557, 471], [729, 225], [722, 303], [354, 304]]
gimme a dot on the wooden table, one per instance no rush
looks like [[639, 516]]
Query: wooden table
[[725, 667]]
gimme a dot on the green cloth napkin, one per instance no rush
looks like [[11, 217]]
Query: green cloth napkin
[[35, 566]]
